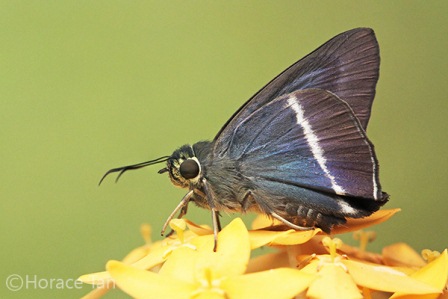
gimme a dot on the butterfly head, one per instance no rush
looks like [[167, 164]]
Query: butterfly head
[[183, 167]]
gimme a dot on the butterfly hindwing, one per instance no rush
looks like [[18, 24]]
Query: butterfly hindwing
[[308, 139]]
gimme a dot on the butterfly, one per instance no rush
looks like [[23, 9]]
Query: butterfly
[[297, 150]]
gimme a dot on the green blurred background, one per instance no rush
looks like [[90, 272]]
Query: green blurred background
[[90, 85]]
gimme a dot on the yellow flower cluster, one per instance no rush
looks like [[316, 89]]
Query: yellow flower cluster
[[306, 264]]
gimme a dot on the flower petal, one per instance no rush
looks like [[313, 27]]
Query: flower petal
[[333, 282], [182, 264], [159, 251], [155, 257], [268, 261], [144, 284], [233, 248], [359, 223], [402, 255], [296, 237], [386, 279], [263, 221], [260, 238], [136, 254], [98, 278], [199, 230], [209, 295], [434, 274], [233, 252], [277, 283]]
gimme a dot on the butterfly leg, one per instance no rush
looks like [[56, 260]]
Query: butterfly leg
[[215, 213], [182, 213], [182, 206], [216, 227], [290, 224]]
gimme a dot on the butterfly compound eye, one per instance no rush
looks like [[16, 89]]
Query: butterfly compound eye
[[189, 169]]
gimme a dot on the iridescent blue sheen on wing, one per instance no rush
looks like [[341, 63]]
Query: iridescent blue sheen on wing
[[325, 150]]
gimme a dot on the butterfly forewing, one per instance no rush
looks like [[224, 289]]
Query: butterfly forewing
[[347, 65]]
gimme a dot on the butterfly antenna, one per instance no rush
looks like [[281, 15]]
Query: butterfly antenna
[[123, 169]]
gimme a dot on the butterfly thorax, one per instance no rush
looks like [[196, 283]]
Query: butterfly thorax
[[193, 166]]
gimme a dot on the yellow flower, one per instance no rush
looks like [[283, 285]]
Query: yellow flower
[[435, 273], [339, 277], [262, 237], [184, 265], [203, 273], [149, 256]]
